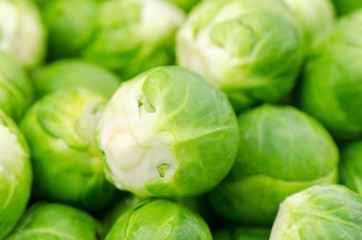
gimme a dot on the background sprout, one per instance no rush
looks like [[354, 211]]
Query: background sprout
[[281, 151], [22, 32], [347, 6], [350, 167], [186, 5], [162, 129], [57, 221], [15, 174], [243, 233], [140, 38], [159, 220], [332, 80], [16, 92], [252, 49], [320, 212], [70, 25], [72, 73], [317, 18], [67, 166]]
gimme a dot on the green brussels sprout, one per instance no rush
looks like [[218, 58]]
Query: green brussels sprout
[[250, 49], [243, 233], [16, 91], [140, 38], [22, 32], [332, 80], [281, 151], [317, 17], [346, 6], [15, 174], [320, 212], [53, 221], [70, 24], [350, 167], [186, 5], [164, 128], [72, 73], [67, 165], [159, 220]]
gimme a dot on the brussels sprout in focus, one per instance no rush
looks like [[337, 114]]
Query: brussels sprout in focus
[[67, 165], [164, 128], [159, 220], [16, 91], [15, 174], [70, 25], [320, 212], [140, 38], [281, 151], [317, 18], [350, 167], [243, 233], [331, 90], [57, 222], [346, 6], [72, 73], [22, 32], [250, 49]]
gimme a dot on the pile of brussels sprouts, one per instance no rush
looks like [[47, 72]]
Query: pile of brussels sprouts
[[180, 119]]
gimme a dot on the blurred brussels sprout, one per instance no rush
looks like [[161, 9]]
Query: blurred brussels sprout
[[317, 18], [67, 165], [159, 220], [320, 212], [331, 90], [281, 151], [57, 221], [164, 128], [346, 6], [186, 5], [22, 32], [250, 49], [140, 38], [72, 73], [16, 91], [243, 233], [15, 174], [350, 167], [70, 25]]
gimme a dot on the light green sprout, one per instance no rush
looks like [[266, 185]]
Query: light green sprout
[[250, 49], [320, 212], [57, 222], [67, 165], [159, 220], [22, 32], [15, 174], [281, 151], [168, 132]]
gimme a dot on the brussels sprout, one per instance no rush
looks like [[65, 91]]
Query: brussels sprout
[[317, 18], [140, 38], [67, 165], [70, 24], [168, 133], [281, 151], [15, 174], [186, 5], [350, 167], [346, 6], [250, 49], [320, 212], [331, 90], [16, 92], [56, 222], [159, 220], [22, 32], [74, 73], [243, 233]]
